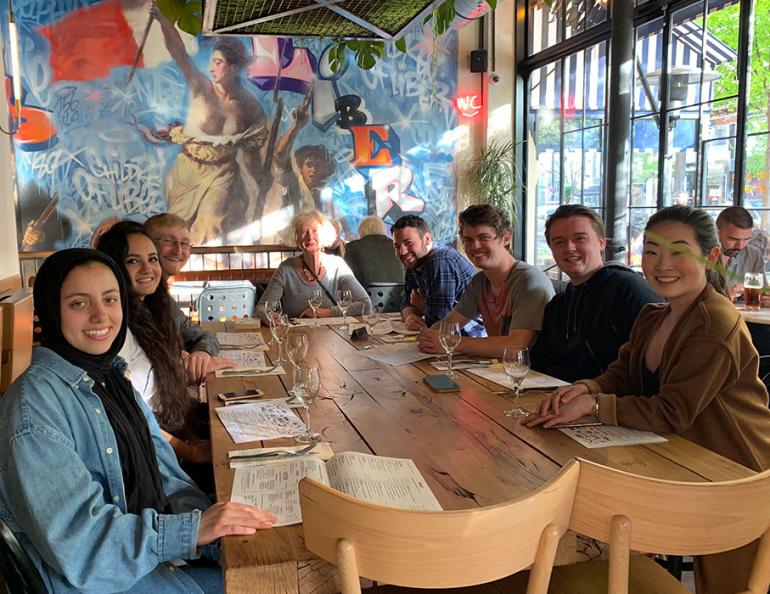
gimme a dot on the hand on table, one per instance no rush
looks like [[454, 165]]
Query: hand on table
[[324, 312], [225, 519], [217, 363], [736, 292], [415, 322], [565, 405], [196, 364], [428, 342]]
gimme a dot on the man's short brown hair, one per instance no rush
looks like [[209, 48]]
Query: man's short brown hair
[[735, 215], [566, 211], [485, 214]]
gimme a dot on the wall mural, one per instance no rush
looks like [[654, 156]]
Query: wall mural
[[233, 134]]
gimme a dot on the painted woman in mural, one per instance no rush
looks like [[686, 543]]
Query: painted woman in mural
[[225, 126]]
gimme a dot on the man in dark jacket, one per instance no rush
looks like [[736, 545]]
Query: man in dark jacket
[[586, 324]]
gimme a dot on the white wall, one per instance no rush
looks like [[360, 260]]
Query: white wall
[[9, 257]]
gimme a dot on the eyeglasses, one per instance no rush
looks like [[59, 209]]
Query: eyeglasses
[[171, 242]]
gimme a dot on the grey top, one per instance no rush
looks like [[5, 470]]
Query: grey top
[[373, 260], [531, 290], [195, 338], [749, 259], [293, 291]]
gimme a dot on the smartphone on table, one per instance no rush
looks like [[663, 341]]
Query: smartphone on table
[[441, 383], [229, 397]]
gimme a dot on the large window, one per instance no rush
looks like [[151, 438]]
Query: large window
[[690, 140]]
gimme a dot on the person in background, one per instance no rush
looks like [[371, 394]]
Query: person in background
[[688, 368], [510, 295], [171, 235], [436, 276], [298, 277], [89, 486], [337, 247], [738, 257], [101, 229], [371, 258], [585, 325], [153, 347]]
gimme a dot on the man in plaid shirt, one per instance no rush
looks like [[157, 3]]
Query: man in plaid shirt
[[436, 276]]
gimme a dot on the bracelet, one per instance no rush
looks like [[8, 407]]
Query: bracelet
[[595, 409]]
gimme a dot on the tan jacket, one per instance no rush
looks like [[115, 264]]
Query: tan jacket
[[709, 389]]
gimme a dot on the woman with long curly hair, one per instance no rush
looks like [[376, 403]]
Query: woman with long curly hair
[[153, 345]]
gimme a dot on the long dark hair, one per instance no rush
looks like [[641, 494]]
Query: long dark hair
[[152, 323], [705, 234]]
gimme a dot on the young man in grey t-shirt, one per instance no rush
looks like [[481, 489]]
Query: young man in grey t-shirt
[[510, 295]]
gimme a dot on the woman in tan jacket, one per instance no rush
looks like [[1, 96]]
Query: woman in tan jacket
[[688, 368]]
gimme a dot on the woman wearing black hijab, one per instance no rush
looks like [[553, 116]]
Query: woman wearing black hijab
[[88, 484]]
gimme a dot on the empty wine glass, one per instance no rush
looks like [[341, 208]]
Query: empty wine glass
[[449, 337], [296, 350], [279, 326], [344, 300], [516, 366], [371, 316], [272, 306], [307, 388], [315, 300]]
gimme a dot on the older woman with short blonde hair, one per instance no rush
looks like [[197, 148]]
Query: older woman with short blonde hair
[[299, 276]]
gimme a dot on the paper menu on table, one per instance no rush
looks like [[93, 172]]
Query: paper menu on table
[[260, 420], [246, 358], [397, 354], [241, 340], [394, 482], [534, 380], [605, 436], [330, 321]]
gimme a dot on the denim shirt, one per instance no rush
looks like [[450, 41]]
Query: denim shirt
[[62, 493]]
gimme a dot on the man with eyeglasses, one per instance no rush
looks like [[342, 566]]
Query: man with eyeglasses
[[172, 238], [510, 295], [436, 276]]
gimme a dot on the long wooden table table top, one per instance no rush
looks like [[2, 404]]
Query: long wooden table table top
[[469, 452]]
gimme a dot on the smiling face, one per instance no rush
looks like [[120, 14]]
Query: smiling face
[[673, 262], [410, 247], [308, 237], [483, 247], [90, 308], [173, 245], [734, 239], [142, 265], [576, 247]]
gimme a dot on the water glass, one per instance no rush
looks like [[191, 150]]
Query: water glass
[[315, 300], [753, 283], [296, 349], [516, 366], [370, 316], [344, 301], [308, 385], [279, 326], [449, 337], [272, 306]]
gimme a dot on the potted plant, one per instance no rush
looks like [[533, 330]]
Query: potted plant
[[491, 177]]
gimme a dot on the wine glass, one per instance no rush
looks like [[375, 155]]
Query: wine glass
[[279, 326], [272, 306], [449, 337], [344, 301], [315, 300], [307, 389], [371, 316], [516, 366], [297, 351]]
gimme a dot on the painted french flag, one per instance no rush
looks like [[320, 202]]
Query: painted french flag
[[88, 42]]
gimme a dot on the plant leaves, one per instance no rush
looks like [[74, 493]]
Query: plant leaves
[[172, 9], [191, 21], [401, 44], [338, 57]]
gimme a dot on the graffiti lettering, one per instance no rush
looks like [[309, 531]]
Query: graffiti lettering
[[348, 114], [375, 146], [390, 187]]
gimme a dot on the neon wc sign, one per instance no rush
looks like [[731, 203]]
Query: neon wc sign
[[468, 106]]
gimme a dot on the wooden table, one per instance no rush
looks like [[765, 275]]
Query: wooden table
[[469, 452]]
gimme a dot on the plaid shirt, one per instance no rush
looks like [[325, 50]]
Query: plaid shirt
[[442, 277]]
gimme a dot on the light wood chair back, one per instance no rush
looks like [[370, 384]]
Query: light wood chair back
[[632, 512], [438, 549]]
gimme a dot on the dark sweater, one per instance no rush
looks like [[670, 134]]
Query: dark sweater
[[585, 325], [373, 260]]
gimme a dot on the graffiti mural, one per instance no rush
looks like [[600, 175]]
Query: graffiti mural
[[125, 115]]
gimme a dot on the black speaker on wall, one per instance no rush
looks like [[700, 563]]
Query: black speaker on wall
[[479, 60]]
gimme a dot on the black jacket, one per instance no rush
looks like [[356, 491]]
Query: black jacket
[[584, 326]]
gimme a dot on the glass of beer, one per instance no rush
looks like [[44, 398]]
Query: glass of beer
[[752, 289]]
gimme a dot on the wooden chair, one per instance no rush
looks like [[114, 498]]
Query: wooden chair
[[637, 513], [438, 549]]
